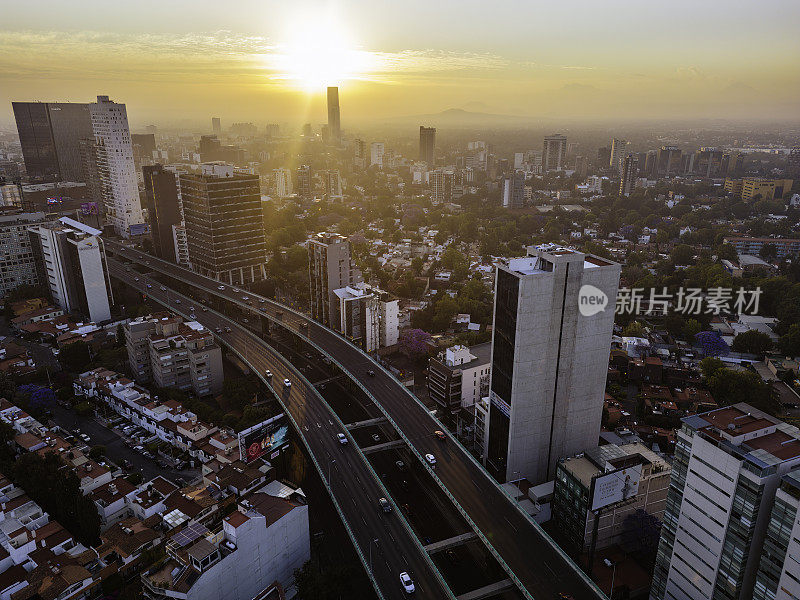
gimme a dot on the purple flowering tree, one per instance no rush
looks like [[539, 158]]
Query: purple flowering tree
[[415, 343], [711, 344]]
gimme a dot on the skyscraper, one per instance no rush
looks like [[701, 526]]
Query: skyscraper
[[305, 181], [114, 153], [443, 185], [554, 152], [553, 317], [427, 145], [628, 171], [722, 504], [216, 125], [376, 152], [668, 162], [163, 200], [514, 190], [50, 135], [283, 182], [334, 123], [73, 266], [330, 267], [333, 184], [224, 224], [617, 152]]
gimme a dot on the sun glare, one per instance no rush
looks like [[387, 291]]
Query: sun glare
[[319, 53]]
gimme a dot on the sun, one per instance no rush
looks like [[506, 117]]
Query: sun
[[319, 53]]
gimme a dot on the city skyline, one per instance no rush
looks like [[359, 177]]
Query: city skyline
[[530, 61]]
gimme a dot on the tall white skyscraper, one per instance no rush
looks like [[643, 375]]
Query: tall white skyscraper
[[283, 182], [117, 173], [377, 150], [553, 316]]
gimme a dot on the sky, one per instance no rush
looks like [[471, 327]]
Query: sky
[[177, 61]]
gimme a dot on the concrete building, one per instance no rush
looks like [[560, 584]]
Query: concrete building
[[376, 152], [668, 161], [629, 169], [115, 166], [50, 134], [553, 316], [368, 316], [262, 542], [459, 377], [305, 181], [554, 153], [729, 464], [330, 267], [427, 145], [283, 182], [171, 353], [444, 185], [333, 185], [778, 576], [216, 125], [618, 151], [17, 251], [11, 195], [514, 190], [73, 265], [224, 224], [784, 247], [359, 154], [334, 121], [181, 245], [577, 480], [164, 211]]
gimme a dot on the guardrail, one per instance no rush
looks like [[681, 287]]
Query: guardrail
[[259, 310], [310, 387]]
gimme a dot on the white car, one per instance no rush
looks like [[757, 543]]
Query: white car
[[431, 459], [287, 383], [342, 439], [245, 298], [268, 374], [220, 287], [407, 582], [163, 289]]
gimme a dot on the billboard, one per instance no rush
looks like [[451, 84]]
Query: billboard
[[615, 486], [138, 229], [266, 438]]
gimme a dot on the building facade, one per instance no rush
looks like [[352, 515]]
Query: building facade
[[163, 201], [334, 121], [330, 267], [224, 224], [17, 252], [549, 359], [554, 153], [459, 377], [728, 466], [427, 145]]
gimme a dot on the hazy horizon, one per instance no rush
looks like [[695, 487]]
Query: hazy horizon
[[183, 62]]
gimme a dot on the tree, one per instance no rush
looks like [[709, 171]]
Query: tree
[[76, 356], [692, 328], [634, 329], [711, 344], [752, 342], [768, 252], [731, 387], [682, 254], [97, 452], [790, 341], [415, 343]]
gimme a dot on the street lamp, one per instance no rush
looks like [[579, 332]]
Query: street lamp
[[370, 552], [613, 565]]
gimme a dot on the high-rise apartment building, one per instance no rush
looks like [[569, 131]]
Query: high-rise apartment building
[[283, 182], [718, 536], [618, 151], [73, 266], [427, 145], [553, 317], [514, 190], [50, 134], [334, 123], [628, 172], [554, 152], [367, 316], [708, 162], [224, 224], [359, 154], [668, 161], [330, 267], [163, 200], [17, 252], [376, 152], [444, 185], [114, 153], [305, 181], [333, 184]]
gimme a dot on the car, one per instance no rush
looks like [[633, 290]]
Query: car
[[205, 309], [126, 464], [262, 300], [287, 383], [177, 300], [191, 309], [268, 374], [149, 286], [371, 373], [220, 287], [138, 448], [227, 330], [407, 582], [218, 330], [342, 439], [128, 269], [245, 320], [136, 279], [163, 289], [85, 438], [431, 459], [245, 298], [375, 437], [401, 466], [385, 505], [440, 434]]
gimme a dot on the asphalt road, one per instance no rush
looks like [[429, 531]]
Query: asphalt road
[[535, 560], [385, 542]]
